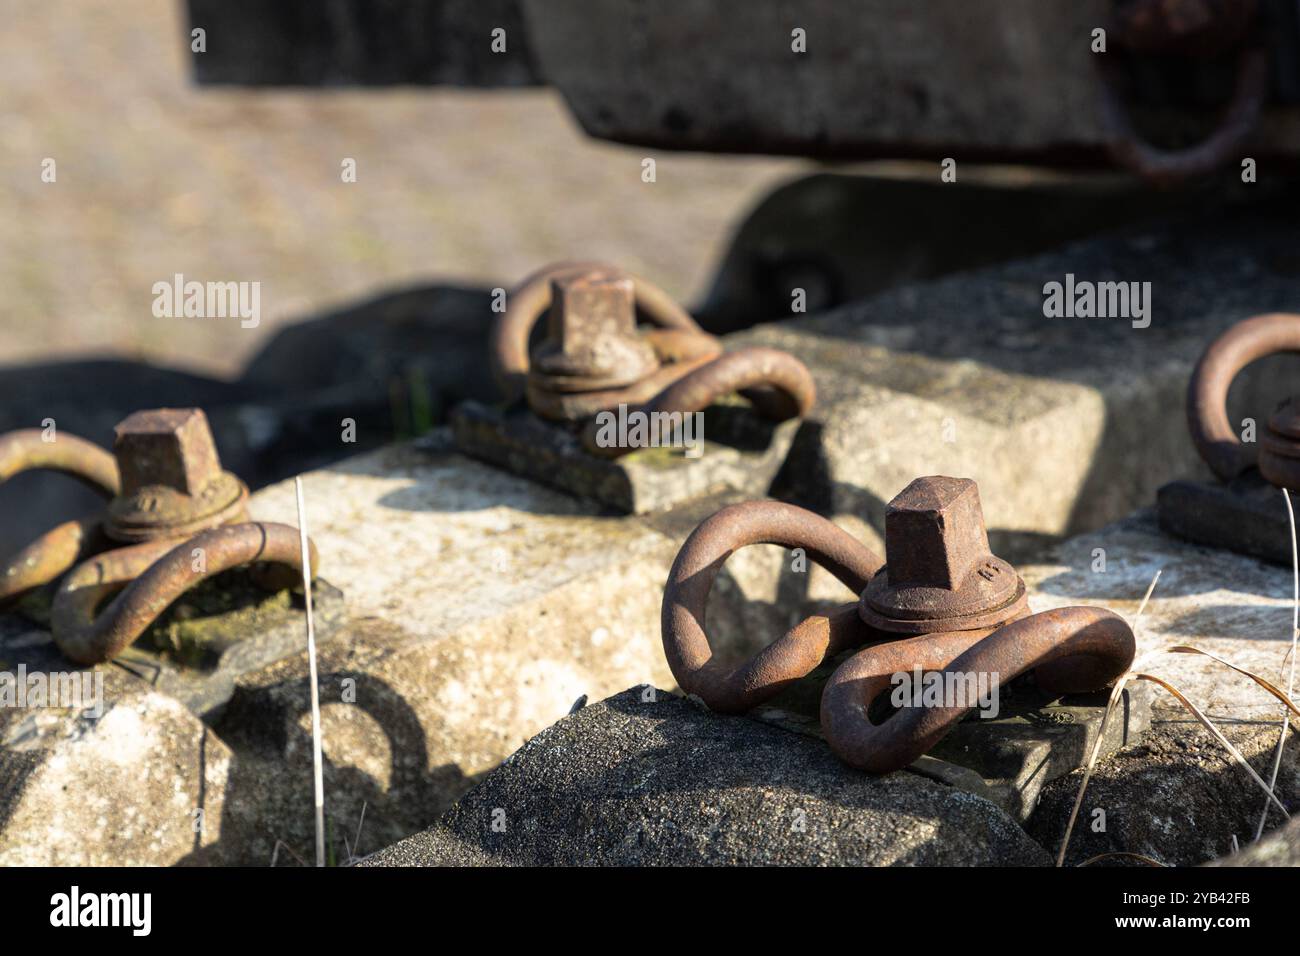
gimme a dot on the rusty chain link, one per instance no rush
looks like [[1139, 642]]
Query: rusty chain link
[[170, 497], [1278, 452], [941, 602]]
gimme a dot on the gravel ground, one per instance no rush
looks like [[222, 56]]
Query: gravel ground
[[156, 176]]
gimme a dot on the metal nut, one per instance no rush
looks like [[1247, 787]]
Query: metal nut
[[939, 573]]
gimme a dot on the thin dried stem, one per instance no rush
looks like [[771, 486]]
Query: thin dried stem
[[1101, 731], [1290, 682]]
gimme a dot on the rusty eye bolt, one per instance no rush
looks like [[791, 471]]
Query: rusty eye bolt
[[1195, 29], [941, 602], [1278, 452], [170, 500], [595, 358]]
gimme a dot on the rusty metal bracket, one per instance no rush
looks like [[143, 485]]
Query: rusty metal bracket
[[181, 516], [595, 358], [1187, 28], [962, 609], [1278, 452]]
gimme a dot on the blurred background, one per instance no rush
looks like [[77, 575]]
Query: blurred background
[[207, 139]]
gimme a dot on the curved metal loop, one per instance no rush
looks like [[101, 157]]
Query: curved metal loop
[[1167, 167], [778, 385], [1207, 393], [50, 556], [796, 653], [62, 547], [28, 450], [528, 302], [150, 577], [1071, 650], [792, 392]]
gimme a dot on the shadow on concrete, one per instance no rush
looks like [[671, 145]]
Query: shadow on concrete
[[262, 729]]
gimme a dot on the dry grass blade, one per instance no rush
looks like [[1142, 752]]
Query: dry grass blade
[[1092, 763], [1125, 855], [1205, 721], [317, 772], [275, 853], [1267, 685], [1290, 683], [1101, 732]]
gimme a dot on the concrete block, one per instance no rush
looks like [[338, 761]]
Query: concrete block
[[135, 784], [1233, 606], [1065, 423], [652, 779]]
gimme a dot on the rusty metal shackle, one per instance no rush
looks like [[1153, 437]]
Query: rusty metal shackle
[[1070, 650], [796, 653], [532, 299], [151, 576], [941, 602], [1207, 395], [1197, 30]]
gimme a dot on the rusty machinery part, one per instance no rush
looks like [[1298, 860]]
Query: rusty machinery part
[[940, 574], [152, 575], [1278, 452], [1070, 650], [173, 485], [59, 549], [31, 450], [1188, 28], [577, 406], [778, 385], [532, 299], [1197, 28], [165, 480], [50, 556], [796, 653]]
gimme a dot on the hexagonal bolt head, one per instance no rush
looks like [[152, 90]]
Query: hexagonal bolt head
[[172, 447], [934, 533]]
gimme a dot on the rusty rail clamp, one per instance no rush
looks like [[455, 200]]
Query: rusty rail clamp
[[940, 602], [1278, 453], [169, 500], [594, 356], [1197, 29]]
